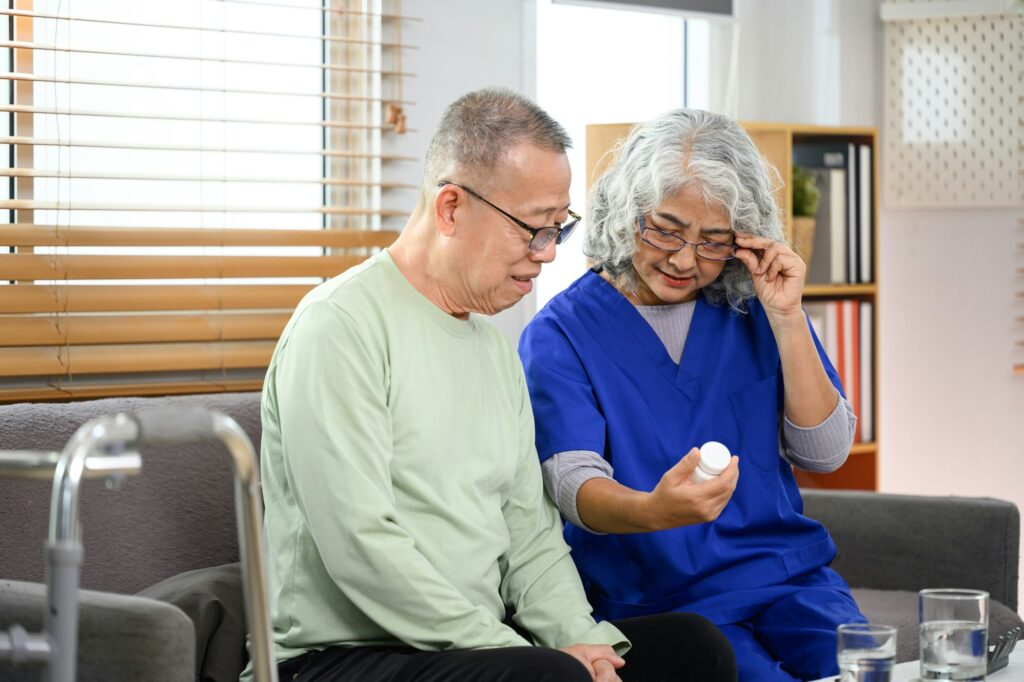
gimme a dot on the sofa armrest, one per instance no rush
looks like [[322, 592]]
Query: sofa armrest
[[119, 637], [912, 542]]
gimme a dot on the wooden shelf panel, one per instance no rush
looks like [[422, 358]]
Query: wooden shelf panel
[[860, 472], [839, 290], [776, 142], [798, 129]]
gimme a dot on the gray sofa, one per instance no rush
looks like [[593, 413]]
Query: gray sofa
[[169, 534]]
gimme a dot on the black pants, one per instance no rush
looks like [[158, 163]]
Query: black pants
[[666, 647]]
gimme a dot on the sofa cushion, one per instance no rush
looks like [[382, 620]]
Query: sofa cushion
[[178, 514], [212, 598], [899, 608]]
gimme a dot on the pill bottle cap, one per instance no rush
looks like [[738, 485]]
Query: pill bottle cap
[[714, 457]]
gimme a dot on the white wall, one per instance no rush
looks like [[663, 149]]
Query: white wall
[[951, 412], [809, 61], [464, 45]]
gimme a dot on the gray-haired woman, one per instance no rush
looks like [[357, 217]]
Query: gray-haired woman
[[688, 329]]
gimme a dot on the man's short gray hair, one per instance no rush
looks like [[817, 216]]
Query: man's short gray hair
[[683, 149], [477, 131]]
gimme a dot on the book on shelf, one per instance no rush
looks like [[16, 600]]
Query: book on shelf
[[867, 372], [852, 213], [828, 262], [849, 351], [843, 238], [865, 214], [845, 329]]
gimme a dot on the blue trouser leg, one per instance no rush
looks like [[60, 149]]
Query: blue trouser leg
[[800, 629], [794, 637], [753, 663]]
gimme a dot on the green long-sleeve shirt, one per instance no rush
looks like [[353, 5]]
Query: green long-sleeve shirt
[[404, 501]]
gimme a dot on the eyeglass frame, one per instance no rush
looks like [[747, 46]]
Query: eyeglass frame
[[644, 227], [561, 233]]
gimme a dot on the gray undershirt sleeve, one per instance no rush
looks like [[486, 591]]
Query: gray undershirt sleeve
[[565, 473], [822, 448]]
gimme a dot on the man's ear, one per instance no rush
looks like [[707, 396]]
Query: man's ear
[[447, 201]]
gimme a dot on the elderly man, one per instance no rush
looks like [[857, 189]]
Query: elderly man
[[409, 534]]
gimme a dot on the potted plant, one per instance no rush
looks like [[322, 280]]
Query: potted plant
[[805, 204]]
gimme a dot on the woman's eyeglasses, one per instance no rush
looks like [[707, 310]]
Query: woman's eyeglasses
[[671, 242]]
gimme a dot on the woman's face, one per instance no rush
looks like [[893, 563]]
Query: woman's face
[[665, 278]]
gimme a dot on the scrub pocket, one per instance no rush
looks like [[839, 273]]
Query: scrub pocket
[[757, 418]]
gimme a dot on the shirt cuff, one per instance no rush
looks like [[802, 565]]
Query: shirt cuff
[[606, 633]]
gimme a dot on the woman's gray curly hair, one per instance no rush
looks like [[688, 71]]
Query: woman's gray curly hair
[[683, 149]]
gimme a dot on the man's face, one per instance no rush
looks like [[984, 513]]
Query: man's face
[[495, 264]]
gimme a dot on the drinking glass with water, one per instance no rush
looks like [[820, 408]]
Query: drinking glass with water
[[954, 634], [867, 652]]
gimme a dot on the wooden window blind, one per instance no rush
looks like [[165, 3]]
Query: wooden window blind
[[179, 176]]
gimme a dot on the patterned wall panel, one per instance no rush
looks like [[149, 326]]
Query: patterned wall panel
[[953, 107]]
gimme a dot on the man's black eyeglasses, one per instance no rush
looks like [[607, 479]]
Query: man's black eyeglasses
[[540, 237]]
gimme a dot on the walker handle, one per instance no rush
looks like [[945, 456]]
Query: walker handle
[[174, 425]]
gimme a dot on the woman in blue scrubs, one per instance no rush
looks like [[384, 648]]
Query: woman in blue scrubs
[[688, 329]]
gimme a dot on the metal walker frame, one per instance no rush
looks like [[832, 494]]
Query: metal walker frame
[[107, 447]]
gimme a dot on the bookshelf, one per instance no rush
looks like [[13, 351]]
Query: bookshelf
[[856, 288]]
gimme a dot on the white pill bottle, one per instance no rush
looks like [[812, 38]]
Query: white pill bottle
[[714, 458]]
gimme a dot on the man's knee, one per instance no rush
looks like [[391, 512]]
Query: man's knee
[[677, 646], [701, 628], [714, 648], [547, 665], [674, 629]]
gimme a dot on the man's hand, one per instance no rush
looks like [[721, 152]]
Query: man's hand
[[677, 501], [600, 660], [604, 671]]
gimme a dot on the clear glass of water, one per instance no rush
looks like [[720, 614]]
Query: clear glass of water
[[954, 634], [867, 652]]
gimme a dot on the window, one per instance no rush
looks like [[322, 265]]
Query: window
[[619, 66], [180, 174]]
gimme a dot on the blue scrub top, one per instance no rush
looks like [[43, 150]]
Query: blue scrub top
[[600, 379]]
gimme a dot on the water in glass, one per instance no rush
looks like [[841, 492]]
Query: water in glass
[[953, 650], [866, 665]]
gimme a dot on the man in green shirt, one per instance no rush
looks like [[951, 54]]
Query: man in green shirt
[[410, 537]]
